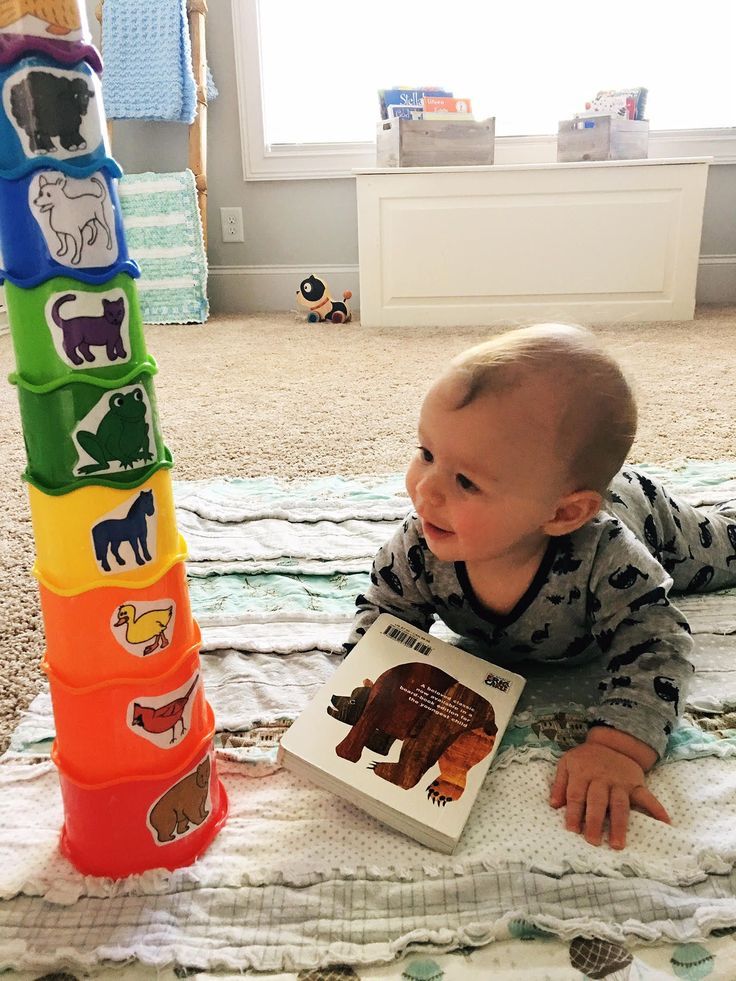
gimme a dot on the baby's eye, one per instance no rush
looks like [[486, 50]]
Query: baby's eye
[[465, 482], [425, 454]]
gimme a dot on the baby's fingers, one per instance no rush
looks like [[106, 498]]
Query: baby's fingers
[[618, 815], [644, 800], [558, 791], [596, 806]]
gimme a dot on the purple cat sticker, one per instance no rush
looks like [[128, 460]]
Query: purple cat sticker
[[90, 330]]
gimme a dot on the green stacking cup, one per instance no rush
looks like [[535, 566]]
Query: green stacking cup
[[91, 431], [63, 330]]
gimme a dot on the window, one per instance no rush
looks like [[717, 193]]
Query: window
[[308, 74]]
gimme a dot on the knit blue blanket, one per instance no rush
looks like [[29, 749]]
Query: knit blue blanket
[[148, 61], [164, 234]]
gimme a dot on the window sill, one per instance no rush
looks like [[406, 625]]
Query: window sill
[[322, 161]]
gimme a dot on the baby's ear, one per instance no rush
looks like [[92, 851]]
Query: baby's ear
[[573, 511]]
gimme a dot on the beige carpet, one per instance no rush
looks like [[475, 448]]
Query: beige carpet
[[248, 396]]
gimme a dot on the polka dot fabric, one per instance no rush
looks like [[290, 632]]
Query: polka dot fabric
[[283, 829]]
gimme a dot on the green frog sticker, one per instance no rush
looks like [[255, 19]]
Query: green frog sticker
[[122, 435]]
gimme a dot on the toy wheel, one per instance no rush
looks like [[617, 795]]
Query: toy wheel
[[338, 317], [312, 318]]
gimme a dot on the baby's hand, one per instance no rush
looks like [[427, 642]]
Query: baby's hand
[[595, 780]]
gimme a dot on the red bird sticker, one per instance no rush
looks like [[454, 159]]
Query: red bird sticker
[[164, 719]]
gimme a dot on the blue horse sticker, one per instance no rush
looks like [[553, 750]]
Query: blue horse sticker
[[111, 533]]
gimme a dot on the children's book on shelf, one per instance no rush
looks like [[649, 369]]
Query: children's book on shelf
[[437, 107], [406, 99], [406, 729], [629, 103], [404, 112]]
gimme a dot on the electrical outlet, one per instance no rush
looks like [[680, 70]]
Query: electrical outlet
[[231, 220]]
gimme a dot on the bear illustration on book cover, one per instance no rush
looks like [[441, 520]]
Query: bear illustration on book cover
[[439, 720]]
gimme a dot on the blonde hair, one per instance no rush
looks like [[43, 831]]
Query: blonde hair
[[597, 421]]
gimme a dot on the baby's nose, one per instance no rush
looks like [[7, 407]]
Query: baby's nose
[[432, 491]]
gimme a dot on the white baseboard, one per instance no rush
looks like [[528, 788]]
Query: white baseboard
[[252, 289], [716, 279], [256, 289]]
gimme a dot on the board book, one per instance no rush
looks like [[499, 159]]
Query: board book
[[406, 729], [439, 105]]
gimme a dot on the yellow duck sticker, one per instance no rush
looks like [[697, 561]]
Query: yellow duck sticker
[[60, 16], [144, 628]]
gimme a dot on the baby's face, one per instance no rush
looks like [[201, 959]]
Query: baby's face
[[486, 477]]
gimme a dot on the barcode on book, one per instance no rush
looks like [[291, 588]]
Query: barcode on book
[[408, 640], [502, 684]]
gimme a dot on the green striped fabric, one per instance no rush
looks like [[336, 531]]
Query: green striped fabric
[[164, 235]]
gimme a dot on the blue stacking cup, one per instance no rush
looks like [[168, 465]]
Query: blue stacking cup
[[55, 225], [51, 116]]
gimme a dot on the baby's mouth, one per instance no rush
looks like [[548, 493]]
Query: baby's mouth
[[432, 530]]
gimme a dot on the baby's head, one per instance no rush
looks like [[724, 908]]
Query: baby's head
[[572, 380], [518, 441]]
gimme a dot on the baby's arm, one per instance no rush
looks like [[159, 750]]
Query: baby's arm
[[398, 585], [646, 644]]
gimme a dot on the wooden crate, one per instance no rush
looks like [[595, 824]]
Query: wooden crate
[[603, 138], [435, 143]]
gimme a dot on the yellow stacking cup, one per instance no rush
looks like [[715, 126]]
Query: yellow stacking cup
[[104, 536]]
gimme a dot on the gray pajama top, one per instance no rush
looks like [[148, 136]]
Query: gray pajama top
[[604, 588]]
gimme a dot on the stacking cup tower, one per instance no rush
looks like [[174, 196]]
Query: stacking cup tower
[[134, 733]]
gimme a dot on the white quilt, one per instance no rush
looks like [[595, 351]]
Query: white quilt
[[297, 878]]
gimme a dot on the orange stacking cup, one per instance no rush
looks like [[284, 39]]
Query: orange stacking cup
[[121, 827], [128, 727], [119, 632]]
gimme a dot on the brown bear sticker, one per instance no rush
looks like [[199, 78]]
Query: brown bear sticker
[[439, 721], [184, 807]]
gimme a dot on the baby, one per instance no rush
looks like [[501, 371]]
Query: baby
[[528, 538]]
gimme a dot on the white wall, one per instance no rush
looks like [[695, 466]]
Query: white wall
[[293, 228]]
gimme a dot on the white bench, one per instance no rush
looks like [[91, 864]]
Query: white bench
[[598, 241]]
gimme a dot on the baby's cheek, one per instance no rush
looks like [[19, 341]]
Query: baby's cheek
[[410, 481]]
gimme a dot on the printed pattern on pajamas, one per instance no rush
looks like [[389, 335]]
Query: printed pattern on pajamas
[[603, 590]]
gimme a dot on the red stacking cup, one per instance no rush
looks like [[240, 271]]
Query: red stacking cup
[[122, 827]]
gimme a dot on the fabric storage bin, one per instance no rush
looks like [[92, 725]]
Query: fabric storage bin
[[55, 225], [51, 115], [120, 827], [101, 536], [91, 431]]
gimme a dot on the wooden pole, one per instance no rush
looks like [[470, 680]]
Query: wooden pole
[[98, 15], [198, 129]]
